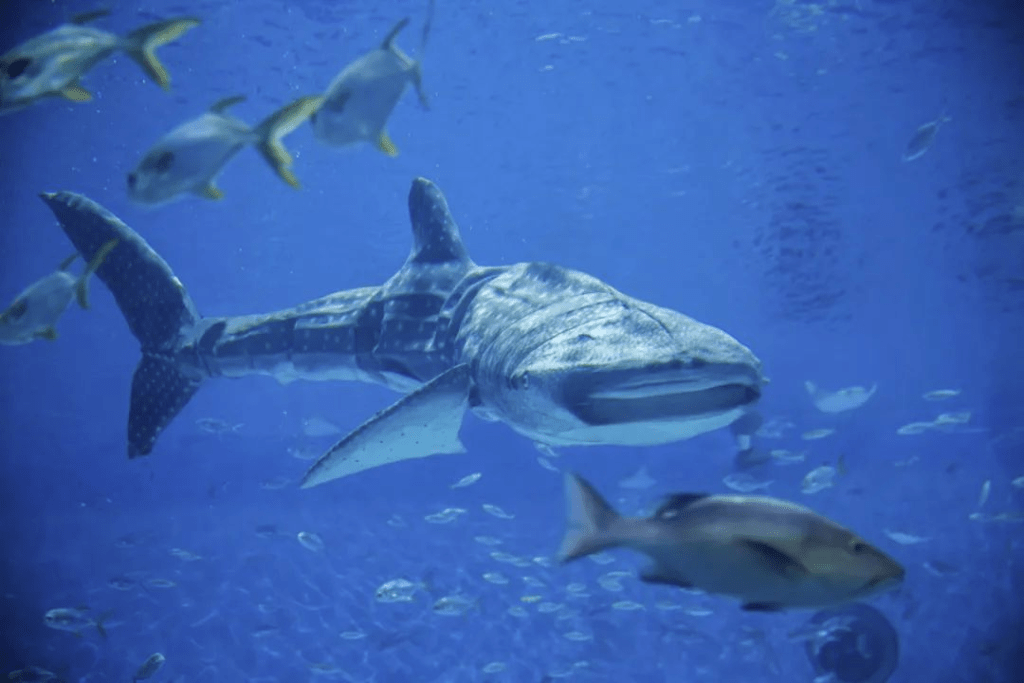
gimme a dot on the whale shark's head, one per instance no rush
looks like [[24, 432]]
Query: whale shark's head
[[601, 367]]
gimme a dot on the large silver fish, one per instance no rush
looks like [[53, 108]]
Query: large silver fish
[[769, 553], [35, 312], [51, 65], [190, 157], [557, 355], [360, 100]]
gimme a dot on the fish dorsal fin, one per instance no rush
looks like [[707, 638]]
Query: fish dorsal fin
[[436, 238], [390, 38], [66, 263], [220, 106], [676, 503], [86, 17]]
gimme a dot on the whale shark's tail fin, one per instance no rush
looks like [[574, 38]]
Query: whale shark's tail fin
[[153, 302]]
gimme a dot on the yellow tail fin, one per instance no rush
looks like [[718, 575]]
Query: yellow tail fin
[[141, 45], [82, 286], [276, 126]]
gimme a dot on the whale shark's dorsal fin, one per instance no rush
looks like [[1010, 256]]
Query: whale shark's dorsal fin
[[436, 238]]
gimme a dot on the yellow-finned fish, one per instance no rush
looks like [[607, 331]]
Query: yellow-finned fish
[[769, 553], [190, 157], [360, 100], [51, 65], [35, 312]]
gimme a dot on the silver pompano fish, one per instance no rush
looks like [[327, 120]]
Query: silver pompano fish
[[360, 99], [149, 667], [51, 64], [73, 620], [769, 553], [35, 312], [189, 158]]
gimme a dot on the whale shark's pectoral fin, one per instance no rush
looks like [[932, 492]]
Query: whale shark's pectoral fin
[[423, 423]]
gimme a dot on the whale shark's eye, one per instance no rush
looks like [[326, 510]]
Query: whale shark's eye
[[17, 67], [520, 381]]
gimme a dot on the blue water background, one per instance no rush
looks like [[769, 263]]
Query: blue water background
[[737, 161]]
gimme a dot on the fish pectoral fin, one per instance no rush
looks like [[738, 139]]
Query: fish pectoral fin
[[656, 575], [423, 423], [76, 93], [762, 607], [779, 561], [210, 191], [417, 81], [47, 333], [385, 144]]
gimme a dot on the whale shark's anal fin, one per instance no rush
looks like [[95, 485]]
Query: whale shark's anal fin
[[423, 423], [159, 391]]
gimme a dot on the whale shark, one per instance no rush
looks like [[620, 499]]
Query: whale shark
[[557, 355]]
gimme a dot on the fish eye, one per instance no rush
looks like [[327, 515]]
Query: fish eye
[[520, 381], [163, 163], [17, 67], [859, 547], [132, 179]]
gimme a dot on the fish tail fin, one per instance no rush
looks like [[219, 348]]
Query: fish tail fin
[[590, 520], [154, 303], [82, 286], [141, 45], [282, 122]]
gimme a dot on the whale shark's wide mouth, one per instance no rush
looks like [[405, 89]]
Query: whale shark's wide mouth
[[629, 396]]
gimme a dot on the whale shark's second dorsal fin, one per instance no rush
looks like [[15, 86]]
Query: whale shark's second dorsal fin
[[436, 238]]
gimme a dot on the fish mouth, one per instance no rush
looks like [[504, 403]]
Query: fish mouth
[[884, 582], [670, 391]]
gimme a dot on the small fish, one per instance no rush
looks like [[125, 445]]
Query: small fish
[[769, 553], [191, 156], [914, 428], [840, 400], [923, 138], [745, 482], [488, 540], [214, 425], [958, 418], [547, 607], [546, 464], [50, 65], [905, 539], [445, 516], [577, 636], [149, 667], [467, 480], [34, 674], [73, 620], [496, 578], [121, 583], [819, 479], [317, 426], [986, 488], [275, 484], [453, 605], [35, 312], [305, 452], [185, 555], [494, 668], [360, 100], [639, 480], [783, 457], [397, 590], [1018, 482], [161, 583], [496, 511], [627, 606], [941, 394], [940, 568], [352, 635], [774, 428], [815, 434], [310, 541]]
